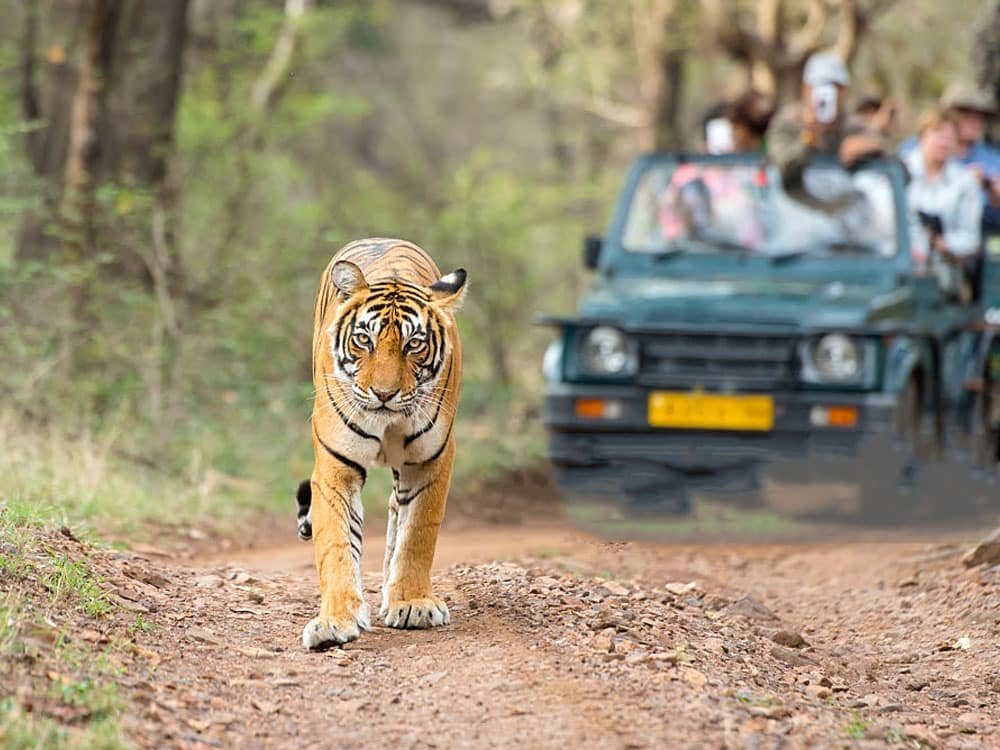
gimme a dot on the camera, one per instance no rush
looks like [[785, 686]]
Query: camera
[[824, 102]]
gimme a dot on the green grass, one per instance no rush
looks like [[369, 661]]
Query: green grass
[[56, 479], [141, 625], [855, 729], [74, 676], [22, 730], [72, 580]]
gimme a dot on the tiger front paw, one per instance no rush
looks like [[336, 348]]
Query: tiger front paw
[[329, 632], [429, 612]]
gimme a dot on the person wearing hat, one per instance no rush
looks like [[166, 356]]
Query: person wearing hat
[[943, 199], [819, 124], [972, 108]]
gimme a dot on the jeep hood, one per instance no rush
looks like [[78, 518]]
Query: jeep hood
[[785, 303]]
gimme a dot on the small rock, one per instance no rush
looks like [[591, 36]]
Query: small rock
[[256, 597], [694, 678], [916, 685], [972, 722], [603, 641], [209, 582], [789, 638], [265, 707], [818, 691], [668, 658], [616, 589], [149, 549], [892, 708], [791, 657], [769, 712], [154, 579], [433, 678], [67, 532], [132, 606], [680, 589], [713, 646], [987, 551], [608, 619], [920, 735], [748, 607], [205, 636], [625, 646]]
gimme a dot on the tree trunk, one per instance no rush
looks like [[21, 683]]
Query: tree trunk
[[661, 71], [106, 103], [77, 210]]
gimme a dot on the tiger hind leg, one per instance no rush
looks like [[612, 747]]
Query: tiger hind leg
[[416, 511]]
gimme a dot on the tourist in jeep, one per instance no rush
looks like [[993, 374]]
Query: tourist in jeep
[[819, 124], [944, 196]]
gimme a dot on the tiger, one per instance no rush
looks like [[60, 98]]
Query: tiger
[[387, 369]]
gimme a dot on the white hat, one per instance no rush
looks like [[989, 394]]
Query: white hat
[[825, 67]]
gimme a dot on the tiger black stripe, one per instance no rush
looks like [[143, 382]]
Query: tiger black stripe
[[437, 453], [350, 425], [437, 412], [410, 497], [342, 458]]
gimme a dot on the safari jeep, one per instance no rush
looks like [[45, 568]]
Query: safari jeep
[[733, 328]]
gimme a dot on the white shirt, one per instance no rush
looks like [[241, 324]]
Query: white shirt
[[953, 195]]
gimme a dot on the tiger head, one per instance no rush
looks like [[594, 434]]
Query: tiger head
[[392, 340]]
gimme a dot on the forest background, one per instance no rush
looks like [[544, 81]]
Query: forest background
[[176, 174]]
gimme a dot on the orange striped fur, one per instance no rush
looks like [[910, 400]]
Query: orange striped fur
[[387, 367]]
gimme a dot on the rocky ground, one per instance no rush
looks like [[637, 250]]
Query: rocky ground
[[569, 642]]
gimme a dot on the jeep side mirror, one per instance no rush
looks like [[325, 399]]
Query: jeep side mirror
[[592, 250]]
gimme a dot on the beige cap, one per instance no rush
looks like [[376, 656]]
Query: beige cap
[[963, 95]]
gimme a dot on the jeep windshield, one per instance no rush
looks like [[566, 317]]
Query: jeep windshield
[[717, 207]]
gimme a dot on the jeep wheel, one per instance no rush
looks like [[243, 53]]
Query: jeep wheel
[[889, 474]]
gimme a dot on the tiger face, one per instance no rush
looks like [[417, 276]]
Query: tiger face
[[391, 338]]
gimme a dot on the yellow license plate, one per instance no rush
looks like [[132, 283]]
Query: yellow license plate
[[710, 411]]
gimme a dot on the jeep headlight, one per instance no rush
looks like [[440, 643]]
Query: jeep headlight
[[607, 351], [837, 358]]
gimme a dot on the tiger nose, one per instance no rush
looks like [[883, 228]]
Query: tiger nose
[[384, 396]]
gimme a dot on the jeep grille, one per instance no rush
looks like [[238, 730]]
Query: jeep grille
[[717, 361]]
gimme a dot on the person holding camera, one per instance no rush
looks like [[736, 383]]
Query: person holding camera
[[819, 124], [971, 109], [944, 197]]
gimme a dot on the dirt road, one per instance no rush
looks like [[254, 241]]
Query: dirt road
[[572, 642]]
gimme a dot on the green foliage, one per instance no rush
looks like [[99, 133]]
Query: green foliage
[[25, 730], [856, 728], [72, 580], [83, 680], [492, 145]]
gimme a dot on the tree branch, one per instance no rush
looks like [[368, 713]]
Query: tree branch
[[274, 77], [807, 39]]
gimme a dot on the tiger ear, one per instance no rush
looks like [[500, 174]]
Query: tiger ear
[[449, 291], [348, 278]]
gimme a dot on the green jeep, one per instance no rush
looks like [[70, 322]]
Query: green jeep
[[733, 328]]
